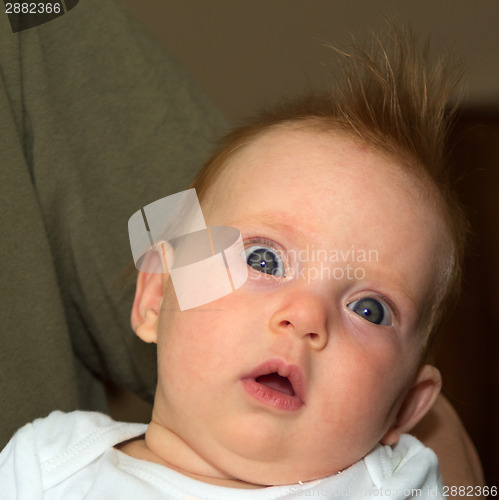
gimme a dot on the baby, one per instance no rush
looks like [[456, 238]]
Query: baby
[[306, 379]]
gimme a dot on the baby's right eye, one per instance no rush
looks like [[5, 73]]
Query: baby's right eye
[[371, 310], [265, 259]]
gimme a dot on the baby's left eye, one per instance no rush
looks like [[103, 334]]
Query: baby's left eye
[[372, 310], [265, 259]]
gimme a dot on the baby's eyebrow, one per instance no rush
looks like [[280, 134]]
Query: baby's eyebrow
[[398, 290], [276, 221]]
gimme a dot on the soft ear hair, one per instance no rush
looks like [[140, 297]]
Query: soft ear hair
[[417, 402], [149, 294]]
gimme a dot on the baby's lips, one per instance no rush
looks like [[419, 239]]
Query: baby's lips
[[292, 372]]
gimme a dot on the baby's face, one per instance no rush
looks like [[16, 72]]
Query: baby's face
[[344, 253]]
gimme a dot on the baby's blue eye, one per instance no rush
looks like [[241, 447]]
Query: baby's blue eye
[[372, 310], [265, 260]]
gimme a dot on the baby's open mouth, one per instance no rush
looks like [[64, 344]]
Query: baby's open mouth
[[276, 382]]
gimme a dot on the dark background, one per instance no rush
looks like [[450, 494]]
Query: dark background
[[469, 351]]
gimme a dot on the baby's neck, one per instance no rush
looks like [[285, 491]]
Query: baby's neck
[[179, 456]]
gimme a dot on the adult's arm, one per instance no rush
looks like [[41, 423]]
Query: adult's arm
[[443, 432]]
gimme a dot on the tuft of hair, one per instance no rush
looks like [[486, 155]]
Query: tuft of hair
[[395, 95]]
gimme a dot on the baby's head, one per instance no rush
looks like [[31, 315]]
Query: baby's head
[[353, 243]]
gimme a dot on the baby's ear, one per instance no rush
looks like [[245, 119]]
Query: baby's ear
[[149, 293], [418, 401]]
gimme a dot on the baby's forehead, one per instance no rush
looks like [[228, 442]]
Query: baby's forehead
[[310, 140], [311, 156], [312, 170]]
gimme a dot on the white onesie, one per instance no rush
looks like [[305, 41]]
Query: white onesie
[[69, 456]]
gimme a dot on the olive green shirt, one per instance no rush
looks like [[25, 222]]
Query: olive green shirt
[[96, 121]]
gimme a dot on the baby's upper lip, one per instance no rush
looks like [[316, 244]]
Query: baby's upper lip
[[292, 372]]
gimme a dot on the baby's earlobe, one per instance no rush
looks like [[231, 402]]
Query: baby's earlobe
[[390, 438], [147, 330]]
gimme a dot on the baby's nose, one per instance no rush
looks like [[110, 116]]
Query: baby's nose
[[305, 314]]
